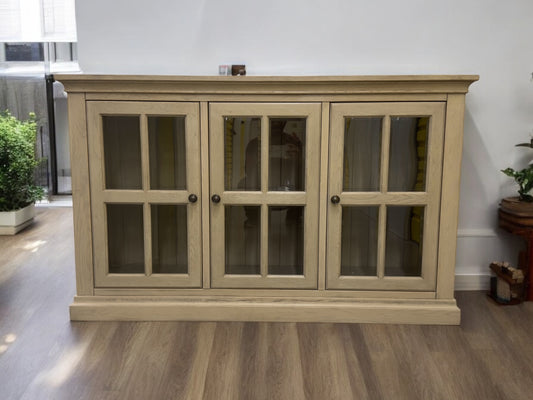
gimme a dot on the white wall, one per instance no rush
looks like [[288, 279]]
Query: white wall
[[491, 38]]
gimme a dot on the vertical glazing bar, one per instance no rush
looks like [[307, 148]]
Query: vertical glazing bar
[[385, 149], [264, 140], [145, 168], [382, 240], [205, 197], [145, 153], [384, 182], [147, 218], [264, 240], [323, 201]]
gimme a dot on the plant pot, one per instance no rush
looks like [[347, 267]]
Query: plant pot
[[514, 206], [12, 222]]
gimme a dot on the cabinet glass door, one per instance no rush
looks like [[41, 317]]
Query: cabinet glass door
[[264, 194], [384, 195], [145, 185]]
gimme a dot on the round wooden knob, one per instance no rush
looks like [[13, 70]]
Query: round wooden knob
[[335, 199]]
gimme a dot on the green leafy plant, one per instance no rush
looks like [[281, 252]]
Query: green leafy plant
[[524, 179], [18, 162]]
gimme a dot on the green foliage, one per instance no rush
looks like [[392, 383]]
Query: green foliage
[[18, 162], [524, 178]]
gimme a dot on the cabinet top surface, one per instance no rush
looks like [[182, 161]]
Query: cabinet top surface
[[261, 78], [267, 84]]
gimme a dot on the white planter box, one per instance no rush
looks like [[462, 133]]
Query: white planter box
[[12, 222]]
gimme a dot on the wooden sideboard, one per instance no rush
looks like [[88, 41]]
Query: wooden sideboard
[[330, 199]]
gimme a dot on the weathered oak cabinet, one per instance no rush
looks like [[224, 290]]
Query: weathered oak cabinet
[[266, 198]]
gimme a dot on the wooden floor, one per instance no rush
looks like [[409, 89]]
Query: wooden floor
[[45, 356]]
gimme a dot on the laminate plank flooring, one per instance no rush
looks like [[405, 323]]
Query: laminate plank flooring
[[45, 356]]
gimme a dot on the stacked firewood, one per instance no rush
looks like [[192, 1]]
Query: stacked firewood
[[507, 287]]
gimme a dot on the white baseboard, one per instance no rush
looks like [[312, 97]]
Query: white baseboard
[[479, 233], [472, 282]]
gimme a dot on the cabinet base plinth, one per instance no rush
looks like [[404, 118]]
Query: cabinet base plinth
[[210, 308]]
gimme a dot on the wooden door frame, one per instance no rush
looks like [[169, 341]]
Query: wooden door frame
[[430, 199], [145, 196], [309, 199]]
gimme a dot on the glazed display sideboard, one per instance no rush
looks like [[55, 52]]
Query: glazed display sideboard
[[321, 199]]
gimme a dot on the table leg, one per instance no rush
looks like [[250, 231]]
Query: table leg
[[528, 279]]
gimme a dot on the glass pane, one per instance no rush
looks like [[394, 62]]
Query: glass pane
[[286, 161], [242, 231], [169, 239], [359, 241], [122, 152], [408, 154], [362, 154], [166, 136], [404, 241], [125, 238], [286, 240], [242, 153]]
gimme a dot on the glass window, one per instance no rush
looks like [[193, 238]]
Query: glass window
[[408, 154], [125, 238], [359, 241], [362, 154], [242, 153], [169, 239], [285, 240], [404, 241], [122, 152], [286, 171], [166, 137], [242, 232]]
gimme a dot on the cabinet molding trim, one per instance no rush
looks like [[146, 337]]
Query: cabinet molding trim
[[316, 85], [265, 309]]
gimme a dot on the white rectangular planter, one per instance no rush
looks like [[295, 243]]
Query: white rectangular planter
[[12, 222]]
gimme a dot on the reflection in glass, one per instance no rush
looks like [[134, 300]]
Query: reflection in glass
[[287, 154], [166, 136], [408, 154], [125, 238], [362, 154], [242, 229], [169, 239], [359, 241], [404, 241], [122, 152], [242, 153], [285, 240]]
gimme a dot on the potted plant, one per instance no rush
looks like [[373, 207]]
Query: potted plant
[[524, 179], [18, 162]]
